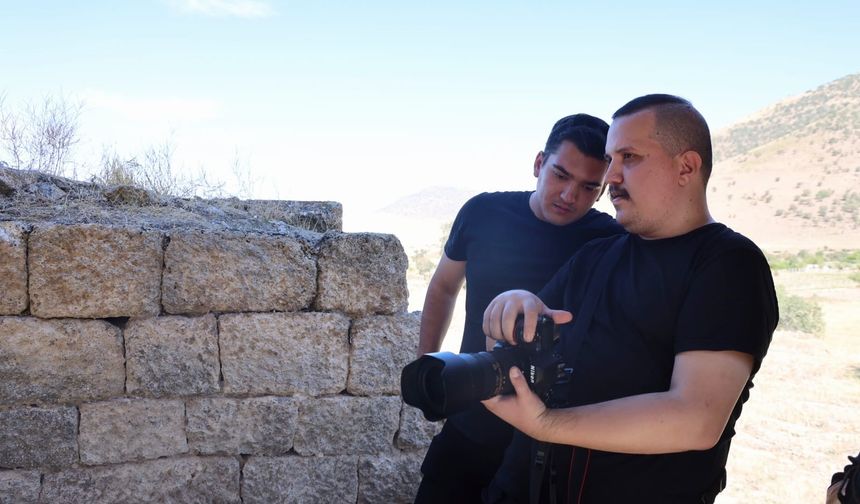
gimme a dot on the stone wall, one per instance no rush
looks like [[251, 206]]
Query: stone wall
[[140, 363]]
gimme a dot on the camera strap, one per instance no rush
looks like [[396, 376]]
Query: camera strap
[[542, 451]]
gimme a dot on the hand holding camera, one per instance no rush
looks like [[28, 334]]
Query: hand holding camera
[[443, 383], [504, 310]]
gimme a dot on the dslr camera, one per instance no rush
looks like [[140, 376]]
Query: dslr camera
[[443, 383]]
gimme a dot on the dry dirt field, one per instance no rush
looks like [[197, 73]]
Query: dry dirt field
[[803, 416]]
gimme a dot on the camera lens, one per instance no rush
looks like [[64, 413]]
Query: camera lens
[[443, 383]]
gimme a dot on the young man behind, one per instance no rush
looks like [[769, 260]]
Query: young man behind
[[684, 309], [500, 241]]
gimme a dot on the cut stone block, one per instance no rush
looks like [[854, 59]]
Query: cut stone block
[[180, 480], [63, 360], [300, 479], [391, 478], [381, 346], [20, 487], [172, 356], [94, 271], [258, 426], [32, 437], [362, 274], [13, 268], [365, 425], [218, 272], [284, 353], [415, 431], [131, 429]]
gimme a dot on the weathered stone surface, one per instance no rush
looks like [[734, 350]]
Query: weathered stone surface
[[284, 353], [181, 480], [172, 356], [131, 429], [318, 216], [381, 346], [94, 271], [31, 196], [415, 431], [19, 487], [220, 272], [13, 268], [391, 478], [362, 273], [258, 426], [59, 360], [31, 437], [294, 479], [355, 425]]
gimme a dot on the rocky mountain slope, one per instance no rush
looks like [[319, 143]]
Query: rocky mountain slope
[[788, 175]]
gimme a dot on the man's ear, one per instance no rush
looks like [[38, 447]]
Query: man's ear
[[538, 163], [689, 166]]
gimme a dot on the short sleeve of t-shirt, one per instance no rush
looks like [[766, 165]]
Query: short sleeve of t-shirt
[[730, 305]]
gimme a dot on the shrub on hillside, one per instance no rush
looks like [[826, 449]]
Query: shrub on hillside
[[799, 314]]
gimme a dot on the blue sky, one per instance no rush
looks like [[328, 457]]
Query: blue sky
[[364, 102]]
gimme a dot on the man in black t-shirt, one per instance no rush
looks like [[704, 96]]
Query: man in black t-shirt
[[500, 241], [671, 324]]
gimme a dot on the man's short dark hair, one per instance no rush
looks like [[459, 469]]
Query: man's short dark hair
[[587, 132], [680, 127]]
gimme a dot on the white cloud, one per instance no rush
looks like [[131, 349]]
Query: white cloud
[[153, 109], [225, 8]]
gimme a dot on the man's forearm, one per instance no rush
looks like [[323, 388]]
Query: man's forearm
[[435, 319], [691, 415], [439, 303], [643, 424]]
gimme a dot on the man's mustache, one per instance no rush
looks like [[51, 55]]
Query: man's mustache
[[616, 191]]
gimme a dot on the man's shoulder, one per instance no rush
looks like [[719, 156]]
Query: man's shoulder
[[490, 203], [717, 243], [720, 238], [498, 197]]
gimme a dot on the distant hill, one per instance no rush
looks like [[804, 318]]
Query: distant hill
[[789, 175], [437, 203], [831, 110]]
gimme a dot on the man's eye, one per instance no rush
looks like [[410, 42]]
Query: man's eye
[[627, 155]]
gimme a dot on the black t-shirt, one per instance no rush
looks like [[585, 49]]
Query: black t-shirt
[[710, 289], [506, 247]]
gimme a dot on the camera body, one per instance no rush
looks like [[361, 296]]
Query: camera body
[[443, 383]]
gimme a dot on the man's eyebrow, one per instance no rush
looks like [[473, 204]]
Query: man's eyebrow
[[561, 169], [619, 150], [624, 148]]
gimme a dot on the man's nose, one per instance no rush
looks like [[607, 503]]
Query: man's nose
[[569, 193], [613, 174]]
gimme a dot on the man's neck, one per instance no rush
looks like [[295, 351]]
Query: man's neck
[[689, 219]]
